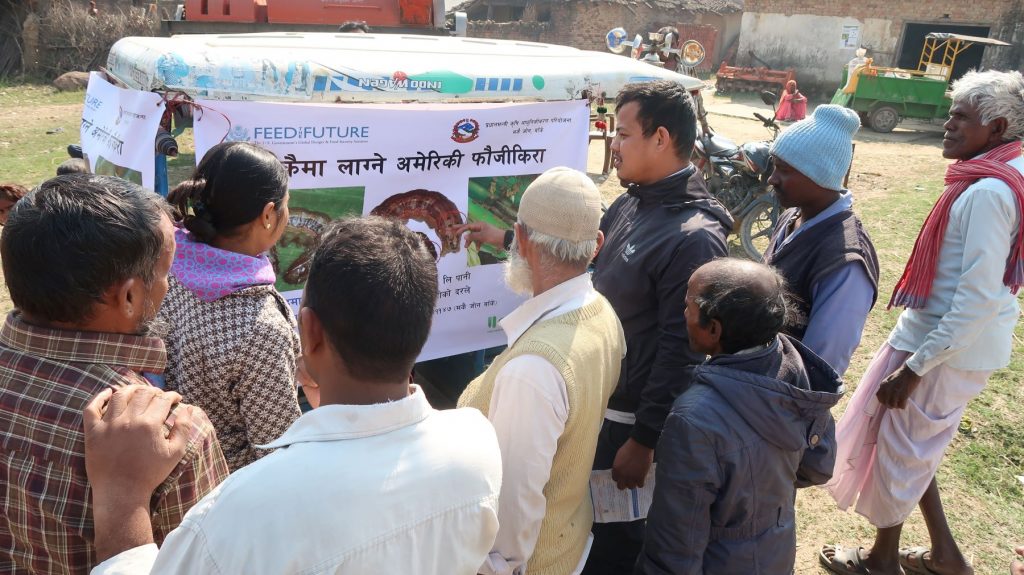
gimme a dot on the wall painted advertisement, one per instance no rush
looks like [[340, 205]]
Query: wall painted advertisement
[[433, 166]]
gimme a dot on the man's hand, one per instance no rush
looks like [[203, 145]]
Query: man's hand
[[895, 390], [632, 462], [482, 233], [130, 449]]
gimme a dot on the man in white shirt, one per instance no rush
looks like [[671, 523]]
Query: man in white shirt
[[372, 481], [546, 394], [959, 291]]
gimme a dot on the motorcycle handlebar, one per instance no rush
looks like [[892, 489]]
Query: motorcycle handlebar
[[764, 120]]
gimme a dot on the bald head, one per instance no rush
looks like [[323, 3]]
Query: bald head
[[738, 303]]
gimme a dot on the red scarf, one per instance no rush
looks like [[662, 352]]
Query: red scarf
[[915, 285]]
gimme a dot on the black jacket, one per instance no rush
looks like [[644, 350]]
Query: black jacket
[[655, 237], [737, 444]]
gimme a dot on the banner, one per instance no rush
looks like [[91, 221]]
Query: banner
[[118, 131], [433, 166]]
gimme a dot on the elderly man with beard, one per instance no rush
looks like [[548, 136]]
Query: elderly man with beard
[[85, 259], [546, 394], [959, 293]]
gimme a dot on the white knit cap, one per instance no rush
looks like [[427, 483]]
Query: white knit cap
[[563, 203]]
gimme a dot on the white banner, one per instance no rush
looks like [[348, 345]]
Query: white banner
[[118, 131], [432, 165]]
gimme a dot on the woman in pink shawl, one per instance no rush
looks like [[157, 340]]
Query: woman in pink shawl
[[792, 105]]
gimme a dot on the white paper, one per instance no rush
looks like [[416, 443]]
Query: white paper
[[118, 131], [346, 160], [850, 37], [614, 505]]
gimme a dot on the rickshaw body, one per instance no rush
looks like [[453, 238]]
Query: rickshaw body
[[376, 68]]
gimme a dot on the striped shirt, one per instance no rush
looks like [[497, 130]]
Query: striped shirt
[[47, 376]]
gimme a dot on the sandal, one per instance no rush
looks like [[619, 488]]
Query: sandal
[[913, 560], [843, 561]]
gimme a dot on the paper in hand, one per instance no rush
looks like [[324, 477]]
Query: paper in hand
[[614, 505]]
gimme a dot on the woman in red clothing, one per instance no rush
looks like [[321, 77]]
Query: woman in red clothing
[[793, 104]]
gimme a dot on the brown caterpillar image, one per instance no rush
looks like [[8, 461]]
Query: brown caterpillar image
[[431, 208]]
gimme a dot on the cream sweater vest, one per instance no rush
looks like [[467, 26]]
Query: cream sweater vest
[[586, 346]]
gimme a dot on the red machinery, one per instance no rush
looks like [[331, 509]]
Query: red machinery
[[743, 79], [376, 13]]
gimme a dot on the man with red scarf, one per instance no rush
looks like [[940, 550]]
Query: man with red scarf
[[958, 291]]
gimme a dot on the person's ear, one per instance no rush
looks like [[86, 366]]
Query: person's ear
[[663, 138], [715, 331], [311, 334], [522, 243], [998, 128], [267, 216], [126, 298], [600, 243]]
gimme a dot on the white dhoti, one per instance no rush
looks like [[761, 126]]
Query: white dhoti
[[886, 458]]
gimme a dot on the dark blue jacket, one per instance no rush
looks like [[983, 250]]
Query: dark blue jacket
[[735, 446], [655, 237]]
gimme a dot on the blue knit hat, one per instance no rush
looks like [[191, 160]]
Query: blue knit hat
[[820, 147]]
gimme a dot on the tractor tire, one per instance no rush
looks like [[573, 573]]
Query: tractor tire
[[883, 119]]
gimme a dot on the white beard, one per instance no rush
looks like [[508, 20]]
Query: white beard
[[518, 276]]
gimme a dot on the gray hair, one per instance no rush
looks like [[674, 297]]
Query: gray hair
[[747, 298], [562, 251], [995, 95]]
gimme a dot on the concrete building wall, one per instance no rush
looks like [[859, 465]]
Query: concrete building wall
[[806, 34], [729, 27], [811, 44]]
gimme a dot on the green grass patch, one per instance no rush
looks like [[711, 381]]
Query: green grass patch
[[36, 125], [33, 95]]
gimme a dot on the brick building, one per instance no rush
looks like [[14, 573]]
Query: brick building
[[584, 23], [818, 37]]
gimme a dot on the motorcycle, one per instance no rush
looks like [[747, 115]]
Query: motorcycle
[[738, 177]]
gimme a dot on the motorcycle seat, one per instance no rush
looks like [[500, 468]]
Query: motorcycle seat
[[718, 146]]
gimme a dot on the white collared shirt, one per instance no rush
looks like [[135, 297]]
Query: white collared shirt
[[388, 488], [529, 408], [967, 322]]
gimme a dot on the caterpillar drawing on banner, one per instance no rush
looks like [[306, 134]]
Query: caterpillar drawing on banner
[[431, 208], [303, 230]]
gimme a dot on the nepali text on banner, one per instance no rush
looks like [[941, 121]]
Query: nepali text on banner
[[434, 166]]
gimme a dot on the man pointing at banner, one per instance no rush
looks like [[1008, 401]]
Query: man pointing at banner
[[562, 363]]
